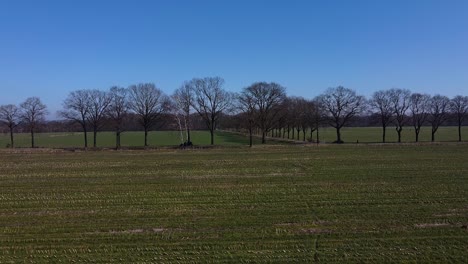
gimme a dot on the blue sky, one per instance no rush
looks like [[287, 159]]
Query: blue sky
[[49, 48]]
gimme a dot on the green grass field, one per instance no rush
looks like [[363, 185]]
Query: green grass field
[[374, 134], [347, 203], [172, 138], [129, 139]]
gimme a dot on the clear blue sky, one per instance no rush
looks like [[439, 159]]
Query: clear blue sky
[[49, 48]]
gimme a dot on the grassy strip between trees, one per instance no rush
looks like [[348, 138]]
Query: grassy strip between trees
[[348, 203], [224, 138]]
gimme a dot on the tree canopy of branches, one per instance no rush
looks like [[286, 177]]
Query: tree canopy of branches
[[267, 98], [117, 111], [33, 112], [341, 104], [419, 106], [381, 102], [438, 108], [182, 104], [400, 99], [10, 114], [77, 109], [148, 103], [459, 106], [210, 101]]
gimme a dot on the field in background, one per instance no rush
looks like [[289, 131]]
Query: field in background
[[129, 139], [374, 134], [172, 138], [348, 203]]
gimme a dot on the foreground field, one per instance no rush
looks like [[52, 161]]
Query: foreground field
[[301, 204]]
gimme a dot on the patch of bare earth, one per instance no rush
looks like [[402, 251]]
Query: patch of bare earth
[[316, 231], [138, 231], [428, 225], [134, 231]]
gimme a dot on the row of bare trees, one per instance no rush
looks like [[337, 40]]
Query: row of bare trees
[[262, 108], [265, 107], [90, 108], [31, 112], [402, 108]]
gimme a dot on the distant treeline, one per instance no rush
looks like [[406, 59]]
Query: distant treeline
[[260, 109]]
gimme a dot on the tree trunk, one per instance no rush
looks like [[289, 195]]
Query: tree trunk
[[311, 131], [416, 133], [288, 131], [146, 137], [85, 136], [338, 135], [188, 135], [263, 137], [212, 136], [303, 135], [117, 139], [293, 133], [459, 132], [11, 137], [94, 136], [32, 138], [398, 130], [298, 134], [433, 135], [250, 137], [384, 128]]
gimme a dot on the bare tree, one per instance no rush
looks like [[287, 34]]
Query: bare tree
[[288, 110], [210, 101], [76, 109], [247, 106], [400, 99], [268, 98], [297, 114], [117, 111], [98, 103], [148, 103], [438, 110], [319, 117], [459, 107], [284, 118], [183, 99], [303, 116], [10, 114], [312, 117], [419, 106], [382, 104], [33, 112], [341, 104]]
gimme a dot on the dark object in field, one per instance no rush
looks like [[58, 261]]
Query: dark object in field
[[186, 144], [464, 226], [338, 142]]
